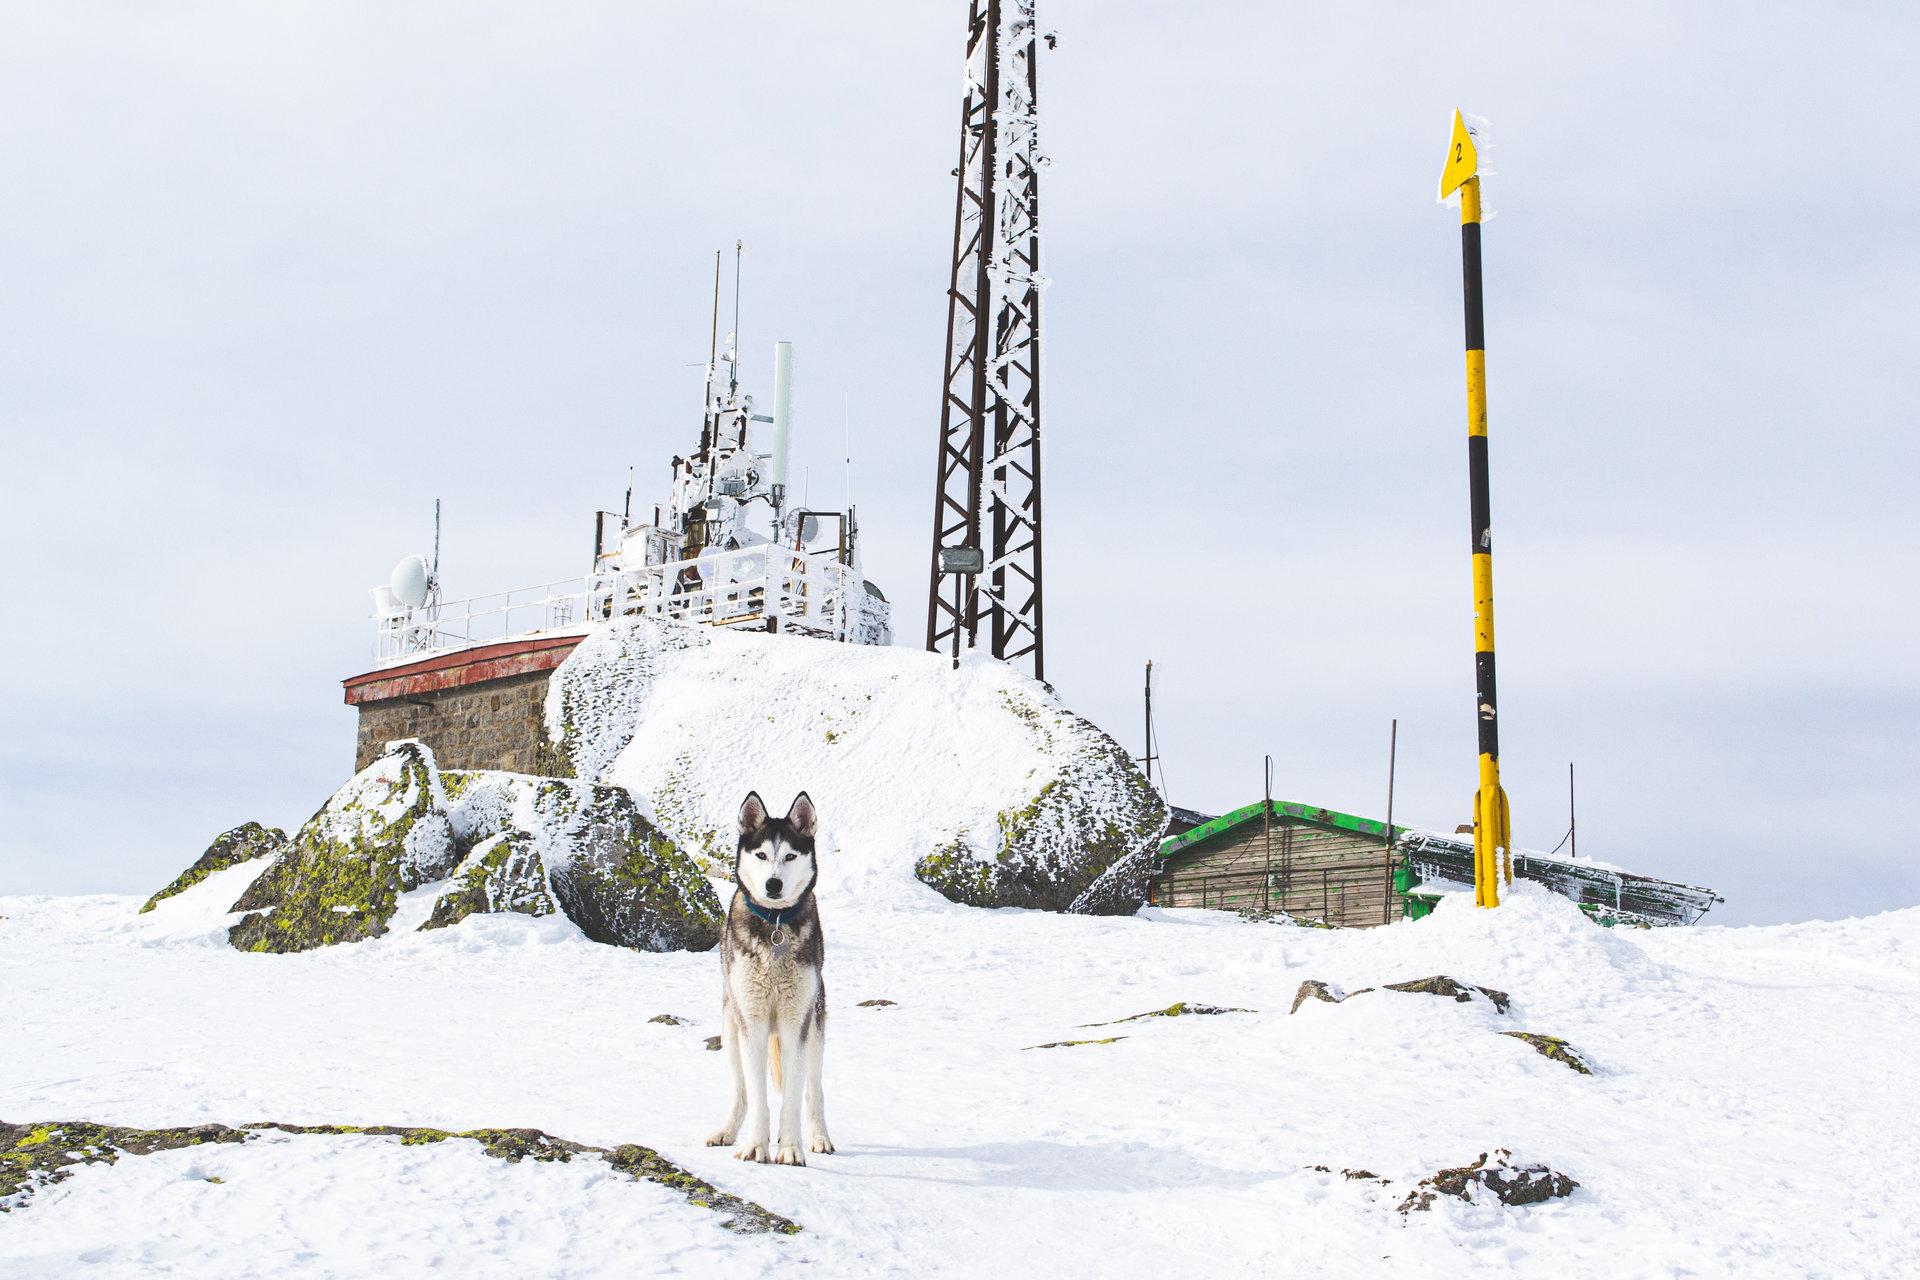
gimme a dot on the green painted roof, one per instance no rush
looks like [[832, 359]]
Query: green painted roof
[[1281, 809]]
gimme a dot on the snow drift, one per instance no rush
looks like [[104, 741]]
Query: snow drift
[[974, 780]]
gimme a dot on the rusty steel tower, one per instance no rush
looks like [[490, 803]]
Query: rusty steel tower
[[986, 507]]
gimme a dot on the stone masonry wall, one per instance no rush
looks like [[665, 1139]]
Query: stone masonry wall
[[494, 724]]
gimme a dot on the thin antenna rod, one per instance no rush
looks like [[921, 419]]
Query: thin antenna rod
[[713, 345], [1149, 759], [436, 539], [1393, 752], [1573, 826], [846, 426], [733, 365], [626, 512]]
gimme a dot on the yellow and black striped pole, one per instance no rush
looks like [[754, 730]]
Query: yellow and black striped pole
[[1492, 842]]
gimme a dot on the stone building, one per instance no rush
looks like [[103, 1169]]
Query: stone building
[[478, 708]]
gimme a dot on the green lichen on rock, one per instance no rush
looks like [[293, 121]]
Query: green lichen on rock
[[1083, 843], [1553, 1047], [1182, 1009], [244, 843], [612, 872], [384, 833], [33, 1156], [959, 876], [502, 873]]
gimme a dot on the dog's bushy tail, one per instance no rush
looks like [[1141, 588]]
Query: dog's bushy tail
[[773, 1060]]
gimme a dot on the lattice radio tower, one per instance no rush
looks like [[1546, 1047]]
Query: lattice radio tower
[[986, 510]]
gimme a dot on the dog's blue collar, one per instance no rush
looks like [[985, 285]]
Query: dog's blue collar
[[786, 915]]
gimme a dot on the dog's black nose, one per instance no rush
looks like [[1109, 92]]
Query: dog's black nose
[[773, 888]]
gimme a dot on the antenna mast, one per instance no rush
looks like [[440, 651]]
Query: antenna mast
[[986, 510]]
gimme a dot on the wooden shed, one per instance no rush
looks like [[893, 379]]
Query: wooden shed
[[1313, 864]]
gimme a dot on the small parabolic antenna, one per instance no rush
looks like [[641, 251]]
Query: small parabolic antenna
[[409, 581]]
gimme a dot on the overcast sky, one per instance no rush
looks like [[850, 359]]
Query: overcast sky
[[275, 277]]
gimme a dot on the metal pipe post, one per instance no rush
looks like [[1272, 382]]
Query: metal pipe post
[[1491, 821]]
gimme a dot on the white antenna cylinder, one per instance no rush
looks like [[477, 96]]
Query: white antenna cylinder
[[782, 405]]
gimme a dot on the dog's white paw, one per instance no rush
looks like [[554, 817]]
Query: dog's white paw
[[789, 1154], [821, 1145], [756, 1151], [720, 1138]]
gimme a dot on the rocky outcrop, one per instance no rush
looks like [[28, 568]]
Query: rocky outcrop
[[502, 842], [244, 843], [1083, 843], [583, 848], [383, 834]]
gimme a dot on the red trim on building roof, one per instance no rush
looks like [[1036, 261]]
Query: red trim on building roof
[[460, 668]]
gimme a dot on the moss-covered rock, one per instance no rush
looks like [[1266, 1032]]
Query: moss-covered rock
[[244, 843], [502, 873], [384, 833], [612, 872], [1083, 843]]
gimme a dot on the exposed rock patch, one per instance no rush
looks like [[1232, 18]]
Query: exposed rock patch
[[1553, 1047], [1313, 989], [1461, 992], [33, 1156], [244, 843], [1509, 1183], [1180, 1010], [1068, 1044]]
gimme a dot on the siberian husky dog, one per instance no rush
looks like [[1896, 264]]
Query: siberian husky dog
[[773, 998]]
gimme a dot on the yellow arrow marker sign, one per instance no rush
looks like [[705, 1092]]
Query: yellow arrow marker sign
[[1462, 161]]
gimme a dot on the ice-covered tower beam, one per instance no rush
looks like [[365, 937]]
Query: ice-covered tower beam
[[986, 514]]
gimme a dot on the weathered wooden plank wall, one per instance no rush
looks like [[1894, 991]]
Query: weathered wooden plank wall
[[1311, 872]]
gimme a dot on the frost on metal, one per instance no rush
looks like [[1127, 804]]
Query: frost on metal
[[594, 697], [384, 833], [540, 844]]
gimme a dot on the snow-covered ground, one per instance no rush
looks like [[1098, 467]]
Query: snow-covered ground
[[1752, 1112]]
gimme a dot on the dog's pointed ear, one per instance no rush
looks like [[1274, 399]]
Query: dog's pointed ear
[[753, 813], [801, 816]]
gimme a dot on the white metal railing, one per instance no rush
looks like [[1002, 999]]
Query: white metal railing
[[751, 587]]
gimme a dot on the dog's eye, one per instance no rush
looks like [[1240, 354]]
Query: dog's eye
[[761, 856], [789, 858]]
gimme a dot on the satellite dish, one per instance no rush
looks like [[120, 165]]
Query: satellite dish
[[809, 528], [409, 582]]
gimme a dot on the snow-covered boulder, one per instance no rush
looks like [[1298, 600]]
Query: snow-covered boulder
[[244, 843], [538, 843], [976, 781], [382, 834]]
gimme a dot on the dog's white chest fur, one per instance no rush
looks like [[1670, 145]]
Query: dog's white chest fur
[[769, 988]]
